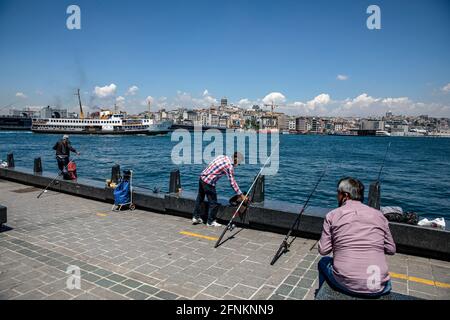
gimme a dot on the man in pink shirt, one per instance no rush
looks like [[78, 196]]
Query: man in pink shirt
[[359, 237], [219, 167]]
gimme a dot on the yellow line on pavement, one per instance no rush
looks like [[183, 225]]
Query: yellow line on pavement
[[191, 234], [419, 280], [101, 214]]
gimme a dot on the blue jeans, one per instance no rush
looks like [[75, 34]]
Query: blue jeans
[[211, 194], [326, 274]]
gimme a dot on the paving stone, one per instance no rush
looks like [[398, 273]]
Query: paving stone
[[264, 293], [148, 289], [102, 272], [116, 278], [105, 283], [299, 272], [305, 264], [132, 283], [142, 278], [60, 295], [399, 287], [443, 293], [422, 295], [292, 280], [298, 293], [202, 296], [89, 268], [86, 296], [305, 283], [120, 289], [242, 291], [28, 286], [32, 295], [216, 290], [43, 258], [90, 277], [311, 274], [137, 295], [284, 290], [166, 295], [424, 288], [53, 287], [103, 293]]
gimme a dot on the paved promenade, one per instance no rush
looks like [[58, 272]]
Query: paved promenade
[[144, 255]]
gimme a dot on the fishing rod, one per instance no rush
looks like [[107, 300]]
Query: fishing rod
[[375, 189], [284, 246], [56, 177], [230, 226], [384, 160]]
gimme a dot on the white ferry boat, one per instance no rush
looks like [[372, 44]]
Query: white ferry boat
[[382, 133], [116, 124]]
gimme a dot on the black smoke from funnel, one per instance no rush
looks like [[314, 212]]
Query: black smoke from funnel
[[81, 74], [57, 101]]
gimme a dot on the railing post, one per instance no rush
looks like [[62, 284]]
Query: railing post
[[115, 173], [10, 160], [175, 181], [37, 165], [258, 196], [374, 195]]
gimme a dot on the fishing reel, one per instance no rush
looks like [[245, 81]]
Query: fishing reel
[[285, 245], [231, 227]]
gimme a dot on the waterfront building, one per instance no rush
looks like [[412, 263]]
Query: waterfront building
[[50, 112], [269, 122], [316, 125], [302, 124], [291, 124], [27, 112], [372, 124], [224, 102], [338, 126]]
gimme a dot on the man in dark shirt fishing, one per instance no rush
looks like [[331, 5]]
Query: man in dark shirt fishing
[[63, 149]]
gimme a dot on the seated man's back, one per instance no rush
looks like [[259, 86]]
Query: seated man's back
[[359, 237]]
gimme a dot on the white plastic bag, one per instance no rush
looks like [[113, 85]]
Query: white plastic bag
[[438, 223]]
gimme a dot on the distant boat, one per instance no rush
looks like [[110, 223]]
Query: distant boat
[[15, 123], [382, 133], [106, 123], [116, 124]]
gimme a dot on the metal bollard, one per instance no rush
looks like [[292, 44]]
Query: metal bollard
[[37, 165], [10, 160], [175, 181], [374, 195], [115, 173], [258, 196]]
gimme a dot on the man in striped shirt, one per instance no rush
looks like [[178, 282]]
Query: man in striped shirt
[[220, 166]]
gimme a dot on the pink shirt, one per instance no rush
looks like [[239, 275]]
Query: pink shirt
[[358, 236], [220, 166]]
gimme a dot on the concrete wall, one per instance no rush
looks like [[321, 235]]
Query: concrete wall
[[270, 215]]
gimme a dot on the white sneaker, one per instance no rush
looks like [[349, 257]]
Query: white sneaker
[[214, 224], [197, 220]]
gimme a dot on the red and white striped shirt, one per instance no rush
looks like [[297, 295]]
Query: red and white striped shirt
[[222, 165]]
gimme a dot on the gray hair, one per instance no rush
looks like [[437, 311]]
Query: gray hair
[[352, 187], [239, 157]]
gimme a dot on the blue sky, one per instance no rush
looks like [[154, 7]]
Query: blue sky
[[175, 50]]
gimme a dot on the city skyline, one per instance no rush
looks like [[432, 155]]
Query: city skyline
[[312, 59]]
